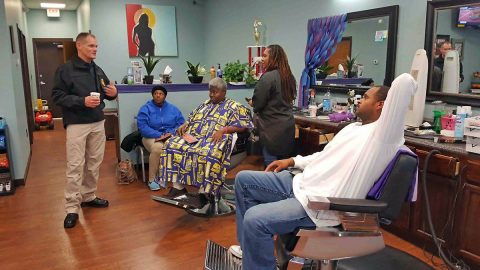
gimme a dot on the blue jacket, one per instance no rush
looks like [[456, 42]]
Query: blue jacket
[[153, 121]]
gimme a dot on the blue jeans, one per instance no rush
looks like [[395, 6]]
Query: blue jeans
[[266, 206], [267, 157]]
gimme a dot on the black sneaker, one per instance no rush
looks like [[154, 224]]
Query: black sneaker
[[70, 220], [173, 193], [97, 203], [193, 200]]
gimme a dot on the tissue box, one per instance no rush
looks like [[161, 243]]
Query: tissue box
[[473, 145]]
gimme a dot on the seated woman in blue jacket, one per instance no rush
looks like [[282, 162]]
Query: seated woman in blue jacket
[[157, 120]]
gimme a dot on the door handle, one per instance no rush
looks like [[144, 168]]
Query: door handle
[[42, 83]]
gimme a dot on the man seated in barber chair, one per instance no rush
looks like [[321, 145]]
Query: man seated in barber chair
[[199, 154], [275, 201]]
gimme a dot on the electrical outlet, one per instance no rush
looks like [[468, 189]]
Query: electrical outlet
[[375, 61]]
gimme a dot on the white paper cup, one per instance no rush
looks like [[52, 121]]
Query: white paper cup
[[312, 110], [95, 94]]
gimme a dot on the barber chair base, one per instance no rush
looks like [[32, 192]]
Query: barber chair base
[[215, 208], [388, 258]]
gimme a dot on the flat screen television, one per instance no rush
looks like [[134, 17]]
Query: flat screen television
[[469, 17]]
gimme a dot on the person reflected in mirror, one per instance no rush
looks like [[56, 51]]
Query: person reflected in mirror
[[438, 63], [142, 37], [157, 120]]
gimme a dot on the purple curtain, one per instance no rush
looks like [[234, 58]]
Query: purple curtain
[[322, 38]]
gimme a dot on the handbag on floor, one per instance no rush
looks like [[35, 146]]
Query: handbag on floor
[[125, 172]]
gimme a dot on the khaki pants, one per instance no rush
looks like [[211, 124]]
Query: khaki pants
[[85, 148], [155, 149]]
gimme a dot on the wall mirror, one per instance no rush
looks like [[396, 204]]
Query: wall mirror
[[370, 37], [453, 77]]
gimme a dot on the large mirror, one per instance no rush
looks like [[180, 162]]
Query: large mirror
[[371, 38], [452, 43]]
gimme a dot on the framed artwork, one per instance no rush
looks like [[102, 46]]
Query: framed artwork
[[151, 30], [457, 44], [12, 39], [438, 41]]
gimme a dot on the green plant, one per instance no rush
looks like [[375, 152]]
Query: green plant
[[149, 62], [195, 71], [235, 72], [324, 68], [350, 62]]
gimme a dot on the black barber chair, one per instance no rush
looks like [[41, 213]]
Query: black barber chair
[[358, 237], [223, 204]]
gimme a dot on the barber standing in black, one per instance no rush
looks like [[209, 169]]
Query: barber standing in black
[[80, 88]]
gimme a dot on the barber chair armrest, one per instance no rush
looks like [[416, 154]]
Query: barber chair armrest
[[345, 205]]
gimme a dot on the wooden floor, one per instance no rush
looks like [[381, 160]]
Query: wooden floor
[[133, 233]]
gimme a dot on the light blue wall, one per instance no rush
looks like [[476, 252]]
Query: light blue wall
[[447, 26], [230, 26], [366, 49], [41, 26], [12, 102], [83, 16], [108, 23]]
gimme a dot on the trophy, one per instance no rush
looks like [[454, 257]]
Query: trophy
[[256, 33]]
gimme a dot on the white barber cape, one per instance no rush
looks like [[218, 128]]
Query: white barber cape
[[356, 157]]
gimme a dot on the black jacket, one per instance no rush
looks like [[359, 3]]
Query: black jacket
[[275, 120], [73, 82]]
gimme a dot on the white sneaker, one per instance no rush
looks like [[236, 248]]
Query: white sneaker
[[1, 187], [236, 251], [8, 186]]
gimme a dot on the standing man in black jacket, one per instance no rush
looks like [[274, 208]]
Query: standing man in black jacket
[[80, 88]]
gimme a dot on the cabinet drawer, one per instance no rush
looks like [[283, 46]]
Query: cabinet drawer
[[473, 172]]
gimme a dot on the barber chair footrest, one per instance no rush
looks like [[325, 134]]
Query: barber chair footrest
[[218, 258], [215, 208], [388, 258]]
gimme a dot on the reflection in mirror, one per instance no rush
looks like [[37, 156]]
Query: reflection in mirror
[[370, 37], [453, 41], [369, 47]]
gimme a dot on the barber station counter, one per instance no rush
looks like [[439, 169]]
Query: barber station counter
[[453, 183], [186, 97]]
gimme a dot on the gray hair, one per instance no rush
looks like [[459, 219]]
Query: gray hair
[[217, 83]]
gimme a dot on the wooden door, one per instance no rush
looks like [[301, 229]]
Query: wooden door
[[344, 49], [26, 83], [49, 55]]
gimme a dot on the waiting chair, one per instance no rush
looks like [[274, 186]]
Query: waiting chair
[[358, 235]]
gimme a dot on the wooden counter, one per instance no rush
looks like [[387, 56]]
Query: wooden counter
[[453, 183]]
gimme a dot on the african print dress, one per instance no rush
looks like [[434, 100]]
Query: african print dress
[[203, 163]]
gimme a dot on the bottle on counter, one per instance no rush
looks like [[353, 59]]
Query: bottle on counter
[[212, 72], [327, 102], [312, 105], [219, 72]]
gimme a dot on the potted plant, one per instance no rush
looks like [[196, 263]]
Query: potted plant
[[322, 71], [235, 72], [149, 62], [195, 73], [350, 63]]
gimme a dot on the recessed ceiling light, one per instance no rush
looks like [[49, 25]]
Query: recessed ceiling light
[[52, 5]]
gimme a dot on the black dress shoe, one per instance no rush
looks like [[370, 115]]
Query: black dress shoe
[[97, 202], [70, 220]]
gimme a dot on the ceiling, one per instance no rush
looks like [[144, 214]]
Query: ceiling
[[35, 4]]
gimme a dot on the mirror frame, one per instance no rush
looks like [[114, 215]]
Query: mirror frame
[[431, 22], [392, 13]]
